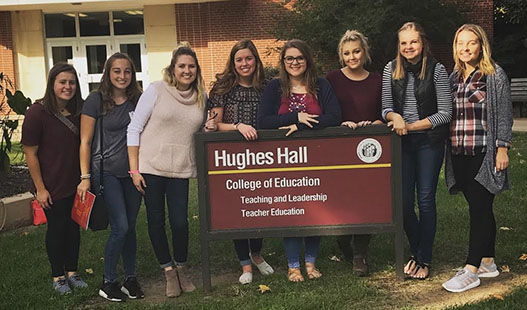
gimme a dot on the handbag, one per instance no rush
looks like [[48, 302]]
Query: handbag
[[99, 213], [39, 217]]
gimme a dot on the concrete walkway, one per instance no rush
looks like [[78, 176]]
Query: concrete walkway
[[520, 124]]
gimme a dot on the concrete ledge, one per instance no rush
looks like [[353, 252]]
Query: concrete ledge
[[16, 210]]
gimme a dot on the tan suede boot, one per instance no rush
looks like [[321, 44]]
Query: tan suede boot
[[173, 288], [184, 279]]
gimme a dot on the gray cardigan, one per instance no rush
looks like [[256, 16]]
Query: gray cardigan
[[499, 128]]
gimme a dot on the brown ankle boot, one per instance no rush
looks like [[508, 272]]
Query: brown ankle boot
[[173, 288], [360, 266], [184, 279]]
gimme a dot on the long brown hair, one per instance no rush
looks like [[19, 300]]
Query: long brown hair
[[310, 75], [226, 80], [168, 72], [49, 101], [133, 90], [399, 72], [486, 64]]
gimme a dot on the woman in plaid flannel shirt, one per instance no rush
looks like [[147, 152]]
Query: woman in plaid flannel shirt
[[476, 157]]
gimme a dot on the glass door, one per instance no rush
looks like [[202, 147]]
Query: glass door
[[135, 48], [93, 55]]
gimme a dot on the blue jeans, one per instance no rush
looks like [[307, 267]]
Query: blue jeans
[[123, 202], [293, 246], [421, 164], [176, 193]]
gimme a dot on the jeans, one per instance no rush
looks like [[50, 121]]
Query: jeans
[[175, 191], [123, 201], [62, 237], [482, 237], [243, 246], [421, 164], [293, 246]]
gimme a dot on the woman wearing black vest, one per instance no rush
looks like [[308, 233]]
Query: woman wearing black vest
[[417, 105]]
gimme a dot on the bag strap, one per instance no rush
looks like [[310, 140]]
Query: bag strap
[[68, 123], [101, 171]]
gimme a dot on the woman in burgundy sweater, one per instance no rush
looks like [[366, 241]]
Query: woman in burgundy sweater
[[359, 94]]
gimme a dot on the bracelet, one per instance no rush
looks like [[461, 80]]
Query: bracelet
[[236, 125], [133, 172], [85, 176]]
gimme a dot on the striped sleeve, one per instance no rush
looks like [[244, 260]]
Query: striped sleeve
[[387, 100], [444, 97]]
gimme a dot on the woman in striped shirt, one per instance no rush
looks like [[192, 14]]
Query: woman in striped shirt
[[417, 105], [476, 157]]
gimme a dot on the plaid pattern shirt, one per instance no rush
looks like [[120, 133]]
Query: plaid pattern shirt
[[468, 129]]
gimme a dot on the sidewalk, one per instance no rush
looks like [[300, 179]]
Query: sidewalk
[[520, 124]]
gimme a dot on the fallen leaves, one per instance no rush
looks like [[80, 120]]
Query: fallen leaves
[[264, 288], [523, 257], [497, 296], [334, 258], [89, 271], [505, 269], [505, 228]]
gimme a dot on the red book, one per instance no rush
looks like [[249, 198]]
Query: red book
[[82, 210]]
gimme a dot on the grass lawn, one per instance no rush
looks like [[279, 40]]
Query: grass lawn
[[17, 154], [25, 281]]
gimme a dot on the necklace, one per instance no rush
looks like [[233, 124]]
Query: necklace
[[296, 102]]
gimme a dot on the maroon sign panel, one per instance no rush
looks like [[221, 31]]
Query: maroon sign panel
[[304, 182]]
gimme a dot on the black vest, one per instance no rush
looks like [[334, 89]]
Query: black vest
[[425, 95]]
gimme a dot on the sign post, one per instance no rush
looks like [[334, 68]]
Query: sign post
[[332, 181]]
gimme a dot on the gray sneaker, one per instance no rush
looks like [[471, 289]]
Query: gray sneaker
[[75, 281], [61, 286], [488, 271], [462, 281]]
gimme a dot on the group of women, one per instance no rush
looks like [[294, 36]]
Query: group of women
[[145, 144]]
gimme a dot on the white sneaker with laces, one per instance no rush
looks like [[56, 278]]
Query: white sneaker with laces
[[463, 280]]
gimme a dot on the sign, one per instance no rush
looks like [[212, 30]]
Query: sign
[[332, 181], [309, 182]]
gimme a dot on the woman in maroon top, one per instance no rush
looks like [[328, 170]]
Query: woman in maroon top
[[52, 153], [359, 95]]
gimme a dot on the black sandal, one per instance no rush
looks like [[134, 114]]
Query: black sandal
[[419, 267], [412, 261]]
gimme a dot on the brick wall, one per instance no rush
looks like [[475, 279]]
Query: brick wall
[[7, 65], [213, 28]]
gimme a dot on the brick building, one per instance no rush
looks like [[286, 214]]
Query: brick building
[[34, 34]]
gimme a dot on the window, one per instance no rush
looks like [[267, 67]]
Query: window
[[128, 22], [60, 25], [94, 24]]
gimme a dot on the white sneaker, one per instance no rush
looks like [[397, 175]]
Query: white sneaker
[[246, 278], [264, 268], [462, 281], [488, 271]]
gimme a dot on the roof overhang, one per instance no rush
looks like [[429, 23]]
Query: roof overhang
[[51, 6]]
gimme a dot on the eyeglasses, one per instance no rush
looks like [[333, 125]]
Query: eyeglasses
[[290, 59]]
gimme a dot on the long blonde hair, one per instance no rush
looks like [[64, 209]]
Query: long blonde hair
[[168, 72], [354, 36], [486, 63], [399, 73]]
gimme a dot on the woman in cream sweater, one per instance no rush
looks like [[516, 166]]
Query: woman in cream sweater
[[161, 155]]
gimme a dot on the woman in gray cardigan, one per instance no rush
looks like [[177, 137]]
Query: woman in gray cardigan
[[476, 157]]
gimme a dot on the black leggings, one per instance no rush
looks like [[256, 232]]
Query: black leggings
[[62, 237], [482, 236]]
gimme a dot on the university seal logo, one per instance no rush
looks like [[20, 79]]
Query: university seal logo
[[369, 150]]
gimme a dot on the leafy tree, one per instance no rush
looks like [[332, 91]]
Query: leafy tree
[[321, 23], [510, 36]]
